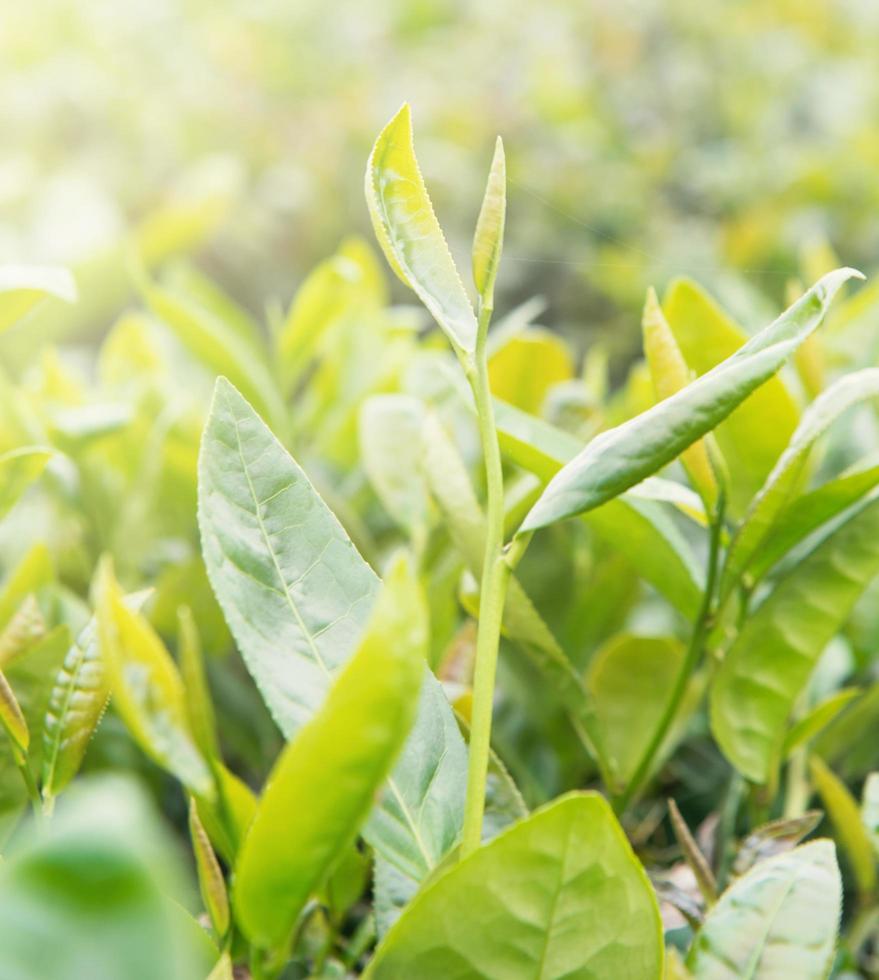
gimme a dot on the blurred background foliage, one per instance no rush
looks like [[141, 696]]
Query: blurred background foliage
[[645, 138]]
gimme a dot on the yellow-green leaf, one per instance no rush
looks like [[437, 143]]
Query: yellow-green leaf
[[210, 876], [488, 241]]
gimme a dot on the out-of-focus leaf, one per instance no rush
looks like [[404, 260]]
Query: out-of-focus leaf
[[31, 573], [488, 240], [558, 894], [13, 721], [523, 370], [409, 234], [18, 470], [347, 282], [816, 719], [77, 699], [773, 838], [670, 373], [219, 347], [779, 920], [146, 687], [630, 679], [198, 698], [210, 877], [870, 809], [768, 665], [621, 457], [707, 336], [786, 475], [93, 895], [22, 287], [390, 448], [26, 627], [297, 596], [322, 787], [228, 817], [845, 815]]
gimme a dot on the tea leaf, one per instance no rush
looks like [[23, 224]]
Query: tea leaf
[[198, 698], [768, 665], [409, 234], [18, 470], [210, 877], [817, 719], [22, 287], [322, 787], [707, 336], [846, 819], [670, 374], [692, 854], [786, 475], [773, 838], [297, 596], [13, 720], [488, 241], [621, 457], [558, 894], [147, 689], [524, 370], [779, 920]]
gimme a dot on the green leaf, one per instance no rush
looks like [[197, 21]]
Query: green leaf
[[218, 346], [488, 241], [633, 524], [786, 476], [809, 512], [816, 719], [147, 690], [198, 697], [707, 336], [31, 573], [22, 287], [13, 721], [210, 877], [670, 374], [93, 894], [769, 664], [779, 920], [297, 595], [558, 894], [409, 234], [77, 699], [390, 446], [870, 809], [525, 369], [18, 470], [322, 787], [621, 457], [630, 679], [842, 808]]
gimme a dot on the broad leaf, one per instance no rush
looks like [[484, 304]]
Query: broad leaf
[[322, 787], [621, 457], [559, 894], [630, 679], [707, 336], [769, 664], [410, 235], [779, 920], [787, 473], [297, 596]]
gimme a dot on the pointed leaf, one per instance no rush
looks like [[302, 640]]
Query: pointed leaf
[[13, 721], [18, 470], [773, 838], [409, 234], [769, 664], [558, 894], [210, 876], [322, 787], [488, 242], [785, 477], [623, 456]]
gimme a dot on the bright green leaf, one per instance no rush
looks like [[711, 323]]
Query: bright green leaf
[[18, 470], [22, 287], [488, 241], [210, 876]]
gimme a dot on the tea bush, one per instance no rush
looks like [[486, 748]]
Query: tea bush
[[449, 657]]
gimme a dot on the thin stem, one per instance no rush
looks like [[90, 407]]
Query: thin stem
[[30, 783], [495, 574], [694, 651]]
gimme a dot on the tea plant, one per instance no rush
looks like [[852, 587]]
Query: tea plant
[[475, 744]]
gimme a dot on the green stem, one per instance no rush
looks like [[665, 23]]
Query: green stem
[[30, 783], [495, 574], [694, 651]]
